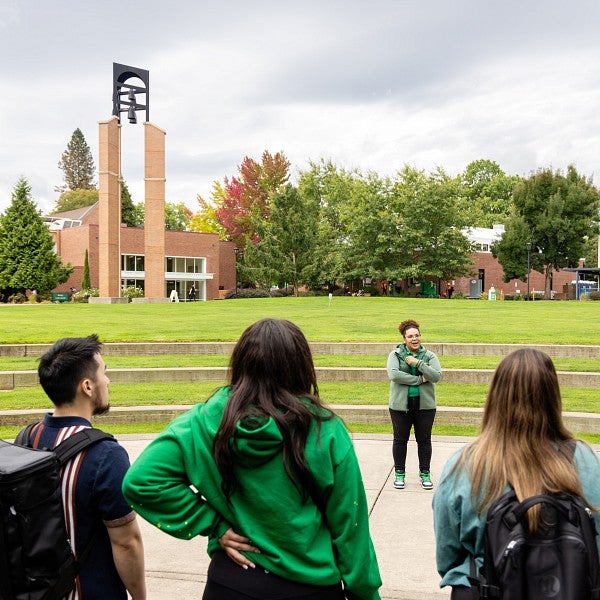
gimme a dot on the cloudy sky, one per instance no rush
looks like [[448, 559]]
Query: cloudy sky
[[372, 84]]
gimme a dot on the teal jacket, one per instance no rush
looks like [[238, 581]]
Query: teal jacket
[[401, 377], [459, 531], [176, 486]]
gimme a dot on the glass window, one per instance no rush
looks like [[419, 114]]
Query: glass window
[[132, 262]]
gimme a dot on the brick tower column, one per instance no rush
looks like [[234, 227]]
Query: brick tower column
[[154, 211], [109, 209]]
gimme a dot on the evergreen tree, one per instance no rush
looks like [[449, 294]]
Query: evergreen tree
[[287, 241], [85, 281], [27, 257], [131, 214], [77, 165]]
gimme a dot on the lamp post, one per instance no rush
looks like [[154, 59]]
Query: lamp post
[[528, 267], [237, 251]]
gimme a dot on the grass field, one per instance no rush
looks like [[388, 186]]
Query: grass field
[[344, 319]]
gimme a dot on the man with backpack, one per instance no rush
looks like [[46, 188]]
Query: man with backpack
[[102, 529]]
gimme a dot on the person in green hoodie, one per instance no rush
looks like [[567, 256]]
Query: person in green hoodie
[[413, 371], [269, 475]]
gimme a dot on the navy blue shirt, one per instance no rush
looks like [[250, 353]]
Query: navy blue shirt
[[93, 501]]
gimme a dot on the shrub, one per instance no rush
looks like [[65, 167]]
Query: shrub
[[247, 293], [282, 293], [584, 297], [17, 298], [316, 292], [595, 295], [84, 295], [132, 292], [372, 289]]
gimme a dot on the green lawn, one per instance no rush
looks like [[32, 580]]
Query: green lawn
[[154, 394], [344, 319], [590, 365]]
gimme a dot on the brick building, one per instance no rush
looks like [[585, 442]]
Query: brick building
[[194, 258], [488, 272]]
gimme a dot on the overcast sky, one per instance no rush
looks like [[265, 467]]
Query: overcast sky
[[372, 84]]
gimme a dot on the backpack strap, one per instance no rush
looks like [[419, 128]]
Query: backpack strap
[[78, 442], [22, 438]]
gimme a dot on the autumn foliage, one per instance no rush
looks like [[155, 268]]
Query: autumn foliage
[[245, 197]]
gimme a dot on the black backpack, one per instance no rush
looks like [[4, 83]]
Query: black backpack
[[36, 559], [560, 562]]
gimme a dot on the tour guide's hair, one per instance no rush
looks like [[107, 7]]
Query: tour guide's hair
[[408, 324], [271, 374], [521, 435], [66, 364]]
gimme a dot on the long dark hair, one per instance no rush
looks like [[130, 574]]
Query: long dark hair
[[271, 374]]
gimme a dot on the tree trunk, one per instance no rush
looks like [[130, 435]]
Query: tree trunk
[[548, 282]]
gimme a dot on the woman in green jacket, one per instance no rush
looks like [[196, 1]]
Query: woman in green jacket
[[412, 371], [269, 475]]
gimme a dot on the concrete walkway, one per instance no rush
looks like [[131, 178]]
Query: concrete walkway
[[401, 527]]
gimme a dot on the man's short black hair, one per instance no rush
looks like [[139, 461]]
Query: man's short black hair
[[65, 364]]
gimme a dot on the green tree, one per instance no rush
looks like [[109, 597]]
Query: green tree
[[554, 212], [77, 164], [131, 214], [85, 281], [485, 193], [74, 199], [327, 188], [427, 241], [177, 216], [27, 257], [286, 243]]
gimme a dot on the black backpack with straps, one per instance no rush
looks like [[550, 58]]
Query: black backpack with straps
[[36, 559], [560, 562]]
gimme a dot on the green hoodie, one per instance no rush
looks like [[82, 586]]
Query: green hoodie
[[297, 541]]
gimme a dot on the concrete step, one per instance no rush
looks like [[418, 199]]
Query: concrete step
[[376, 414], [11, 379], [352, 348]]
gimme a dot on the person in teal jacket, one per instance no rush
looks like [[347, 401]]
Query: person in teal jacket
[[413, 371], [520, 446], [269, 475]]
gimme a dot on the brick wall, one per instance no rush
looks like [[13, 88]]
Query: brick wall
[[493, 274], [220, 258]]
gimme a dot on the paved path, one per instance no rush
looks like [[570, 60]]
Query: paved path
[[401, 527]]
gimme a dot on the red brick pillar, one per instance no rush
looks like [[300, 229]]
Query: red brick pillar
[[109, 209], [154, 211]]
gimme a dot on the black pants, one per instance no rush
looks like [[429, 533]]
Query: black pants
[[402, 423], [228, 581], [461, 592]]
